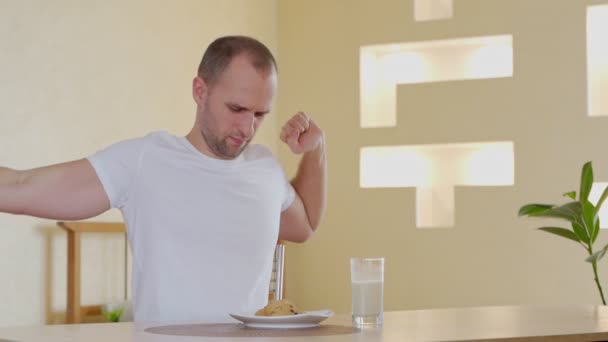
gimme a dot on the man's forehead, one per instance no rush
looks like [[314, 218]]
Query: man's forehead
[[245, 63], [258, 98], [246, 78]]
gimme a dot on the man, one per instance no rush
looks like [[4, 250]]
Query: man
[[203, 212]]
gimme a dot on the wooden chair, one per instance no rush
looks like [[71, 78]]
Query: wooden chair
[[75, 311]]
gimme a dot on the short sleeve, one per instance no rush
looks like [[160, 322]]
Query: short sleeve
[[288, 197], [116, 167]]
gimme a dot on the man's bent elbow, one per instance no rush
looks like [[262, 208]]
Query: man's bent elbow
[[304, 235]]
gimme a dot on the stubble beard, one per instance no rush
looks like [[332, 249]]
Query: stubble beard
[[219, 146]]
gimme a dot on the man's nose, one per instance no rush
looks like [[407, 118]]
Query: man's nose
[[247, 125]]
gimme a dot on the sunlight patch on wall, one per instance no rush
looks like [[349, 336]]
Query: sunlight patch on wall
[[434, 170], [425, 10], [597, 60], [594, 197], [383, 67]]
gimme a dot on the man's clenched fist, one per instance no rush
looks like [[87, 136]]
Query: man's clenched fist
[[301, 134]]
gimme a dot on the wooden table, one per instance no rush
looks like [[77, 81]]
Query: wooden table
[[507, 323], [75, 311]]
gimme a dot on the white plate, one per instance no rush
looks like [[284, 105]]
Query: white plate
[[309, 319]]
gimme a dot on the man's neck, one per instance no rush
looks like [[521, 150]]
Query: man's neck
[[195, 138]]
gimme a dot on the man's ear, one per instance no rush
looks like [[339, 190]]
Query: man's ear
[[199, 90]]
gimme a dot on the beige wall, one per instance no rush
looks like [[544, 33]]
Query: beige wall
[[76, 76], [490, 257]]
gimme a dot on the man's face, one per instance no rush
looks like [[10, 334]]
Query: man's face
[[235, 107]]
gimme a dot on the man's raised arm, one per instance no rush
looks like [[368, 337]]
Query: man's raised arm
[[67, 191], [301, 219]]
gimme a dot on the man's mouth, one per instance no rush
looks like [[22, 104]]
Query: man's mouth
[[237, 141]]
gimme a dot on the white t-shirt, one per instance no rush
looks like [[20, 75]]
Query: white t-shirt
[[202, 230]]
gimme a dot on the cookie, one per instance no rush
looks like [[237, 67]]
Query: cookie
[[278, 308]]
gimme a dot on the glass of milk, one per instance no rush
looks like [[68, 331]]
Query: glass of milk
[[367, 283]]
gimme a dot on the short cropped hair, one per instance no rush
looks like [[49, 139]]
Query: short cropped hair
[[220, 53]]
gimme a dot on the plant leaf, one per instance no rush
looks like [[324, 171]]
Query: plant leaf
[[589, 219], [570, 211], [586, 182], [530, 209], [580, 231], [596, 231], [563, 232], [571, 194], [595, 257]]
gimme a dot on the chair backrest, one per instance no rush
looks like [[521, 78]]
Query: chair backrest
[[75, 229], [277, 282]]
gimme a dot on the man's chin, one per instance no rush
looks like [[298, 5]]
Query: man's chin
[[232, 153]]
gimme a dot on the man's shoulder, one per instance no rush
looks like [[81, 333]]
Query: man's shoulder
[[140, 144], [159, 139], [146, 139], [159, 136]]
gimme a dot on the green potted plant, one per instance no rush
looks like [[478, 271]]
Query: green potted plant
[[112, 312], [582, 216]]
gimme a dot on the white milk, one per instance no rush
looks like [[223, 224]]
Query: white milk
[[367, 297]]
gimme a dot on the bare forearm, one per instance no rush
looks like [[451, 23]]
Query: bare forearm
[[67, 191], [9, 183], [8, 176], [311, 184]]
